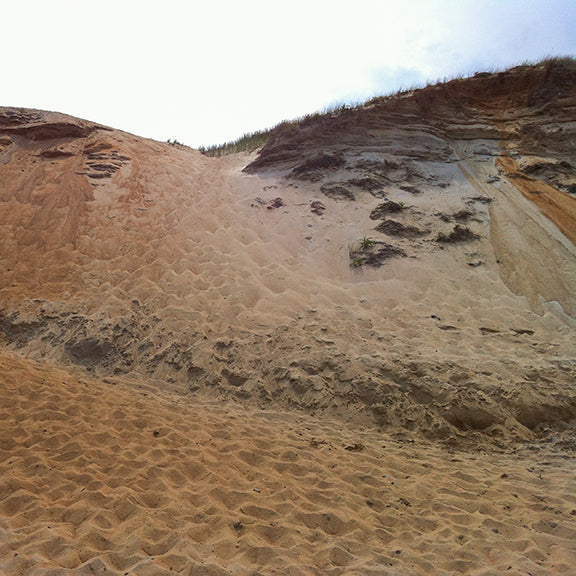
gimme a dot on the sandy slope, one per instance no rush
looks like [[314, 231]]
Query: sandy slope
[[204, 368], [188, 269], [102, 478]]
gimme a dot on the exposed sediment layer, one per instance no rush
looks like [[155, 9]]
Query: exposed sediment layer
[[387, 264]]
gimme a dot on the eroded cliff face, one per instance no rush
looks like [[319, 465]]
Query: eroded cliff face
[[409, 263], [511, 134]]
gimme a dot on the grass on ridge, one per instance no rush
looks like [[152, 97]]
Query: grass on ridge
[[246, 143], [254, 140]]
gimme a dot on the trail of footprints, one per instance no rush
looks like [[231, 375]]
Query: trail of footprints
[[102, 479]]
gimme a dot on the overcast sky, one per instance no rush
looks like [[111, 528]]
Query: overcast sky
[[204, 72]]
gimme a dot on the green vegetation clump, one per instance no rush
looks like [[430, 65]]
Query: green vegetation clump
[[366, 243], [356, 262], [372, 252], [246, 143]]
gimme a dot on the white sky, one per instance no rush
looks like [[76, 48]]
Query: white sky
[[207, 71]]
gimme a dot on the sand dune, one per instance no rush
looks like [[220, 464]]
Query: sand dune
[[349, 352], [195, 279]]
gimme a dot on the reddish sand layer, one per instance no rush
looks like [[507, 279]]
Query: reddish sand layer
[[559, 206]]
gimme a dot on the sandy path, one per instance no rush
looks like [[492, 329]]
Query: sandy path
[[108, 478]]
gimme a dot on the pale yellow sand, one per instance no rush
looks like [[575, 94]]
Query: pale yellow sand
[[107, 478]]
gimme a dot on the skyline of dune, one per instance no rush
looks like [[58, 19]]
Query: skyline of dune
[[205, 73]]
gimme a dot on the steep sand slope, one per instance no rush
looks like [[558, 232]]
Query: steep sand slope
[[454, 315], [102, 478]]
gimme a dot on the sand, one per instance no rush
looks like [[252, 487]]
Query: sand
[[350, 352], [178, 267], [111, 478]]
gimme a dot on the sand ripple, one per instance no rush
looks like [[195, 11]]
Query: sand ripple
[[107, 478]]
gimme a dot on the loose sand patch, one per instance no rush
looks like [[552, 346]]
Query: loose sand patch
[[109, 478]]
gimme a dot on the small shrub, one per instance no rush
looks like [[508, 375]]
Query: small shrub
[[366, 243], [373, 253], [356, 262]]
